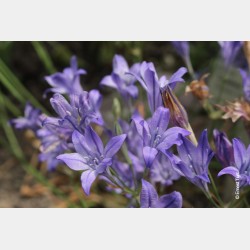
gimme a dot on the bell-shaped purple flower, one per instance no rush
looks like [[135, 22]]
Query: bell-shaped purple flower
[[121, 78], [156, 137], [193, 160], [241, 167], [149, 198], [67, 82], [246, 83], [31, 119], [162, 171], [229, 51], [82, 109], [224, 148], [91, 156]]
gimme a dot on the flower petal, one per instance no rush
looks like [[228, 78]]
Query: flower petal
[[80, 144], [148, 195], [93, 140], [108, 81], [159, 120], [173, 200], [74, 161], [171, 137], [87, 178], [114, 145], [239, 152], [149, 155], [229, 170], [120, 65], [60, 105]]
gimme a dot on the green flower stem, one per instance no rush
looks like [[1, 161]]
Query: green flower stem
[[215, 189]]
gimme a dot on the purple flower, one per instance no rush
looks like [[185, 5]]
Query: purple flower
[[246, 83], [229, 51], [67, 82], [54, 141], [241, 167], [163, 172], [154, 86], [156, 136], [31, 119], [193, 161], [91, 156], [149, 198], [224, 148], [182, 47], [82, 109], [120, 79]]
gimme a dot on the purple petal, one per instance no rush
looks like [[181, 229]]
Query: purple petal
[[173, 200], [80, 144], [114, 145], [171, 137], [229, 170], [177, 77], [74, 161], [148, 195], [239, 152], [108, 81], [60, 105], [204, 177], [160, 120], [145, 133], [137, 119], [107, 162], [87, 178], [95, 99], [149, 155], [153, 90], [204, 153], [120, 65], [132, 91], [93, 140]]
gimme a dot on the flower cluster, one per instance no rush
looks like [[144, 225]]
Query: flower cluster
[[140, 155]]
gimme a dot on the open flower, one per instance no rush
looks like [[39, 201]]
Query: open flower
[[120, 79], [240, 169], [193, 161], [82, 109], [31, 119], [149, 198], [67, 82], [91, 156], [154, 86], [156, 137]]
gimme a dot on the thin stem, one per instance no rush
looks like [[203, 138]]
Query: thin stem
[[215, 189]]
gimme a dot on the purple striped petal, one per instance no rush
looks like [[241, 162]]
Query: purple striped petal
[[87, 178], [148, 195]]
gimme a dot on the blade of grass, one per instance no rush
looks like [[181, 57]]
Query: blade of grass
[[10, 106], [16, 88], [44, 56]]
